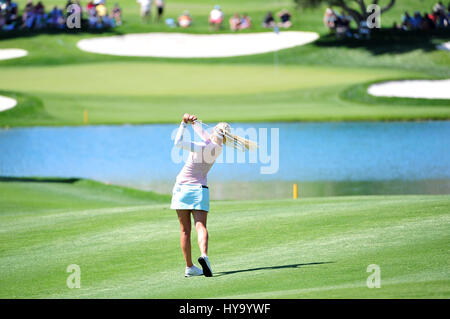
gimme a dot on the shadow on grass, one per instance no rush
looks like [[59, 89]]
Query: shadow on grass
[[39, 179], [390, 41], [223, 273]]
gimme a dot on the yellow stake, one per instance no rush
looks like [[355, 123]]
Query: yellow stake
[[295, 191], [86, 118]]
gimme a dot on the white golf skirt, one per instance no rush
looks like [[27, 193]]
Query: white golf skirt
[[190, 196]]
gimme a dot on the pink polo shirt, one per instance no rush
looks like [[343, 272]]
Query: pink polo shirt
[[201, 157]]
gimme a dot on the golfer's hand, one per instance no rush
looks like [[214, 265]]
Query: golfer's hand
[[192, 118], [188, 118]]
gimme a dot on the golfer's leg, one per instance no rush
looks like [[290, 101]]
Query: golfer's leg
[[202, 232], [184, 216]]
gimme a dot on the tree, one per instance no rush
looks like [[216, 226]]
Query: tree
[[355, 8]]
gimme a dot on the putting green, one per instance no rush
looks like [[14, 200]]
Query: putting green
[[162, 79], [126, 243]]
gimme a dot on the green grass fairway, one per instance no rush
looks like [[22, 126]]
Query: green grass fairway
[[57, 81], [127, 245]]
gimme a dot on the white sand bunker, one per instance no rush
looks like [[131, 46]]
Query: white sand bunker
[[6, 103], [181, 45], [425, 89], [444, 46], [12, 53]]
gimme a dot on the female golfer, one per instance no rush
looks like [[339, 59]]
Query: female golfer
[[191, 193]]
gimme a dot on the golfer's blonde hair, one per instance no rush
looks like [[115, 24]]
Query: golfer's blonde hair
[[233, 140]]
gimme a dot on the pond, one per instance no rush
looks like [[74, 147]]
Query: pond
[[323, 158]]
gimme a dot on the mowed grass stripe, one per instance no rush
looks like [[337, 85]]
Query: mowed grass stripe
[[255, 247], [339, 291], [306, 104], [140, 285], [265, 278], [160, 79]]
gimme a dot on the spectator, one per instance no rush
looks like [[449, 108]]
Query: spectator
[[269, 21], [216, 18], [444, 21], [160, 9], [11, 12], [427, 23], [95, 8], [56, 18], [345, 21], [330, 18], [343, 27], [108, 22], [185, 20], [90, 5], [104, 21], [246, 22], [91, 12], [39, 11], [433, 17], [439, 8], [92, 18], [285, 18], [363, 31], [102, 12], [407, 22], [9, 15], [28, 15], [146, 7], [235, 22], [116, 14], [417, 20]]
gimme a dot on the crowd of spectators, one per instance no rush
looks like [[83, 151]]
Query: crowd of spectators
[[9, 14], [340, 23], [98, 16], [95, 15], [236, 21], [240, 23], [146, 9], [35, 17], [439, 18], [285, 20]]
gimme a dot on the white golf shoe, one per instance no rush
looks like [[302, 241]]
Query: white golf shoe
[[204, 262], [193, 271]]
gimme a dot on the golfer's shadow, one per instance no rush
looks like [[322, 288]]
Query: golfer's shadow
[[223, 273]]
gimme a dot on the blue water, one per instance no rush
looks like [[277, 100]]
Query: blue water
[[141, 154]]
